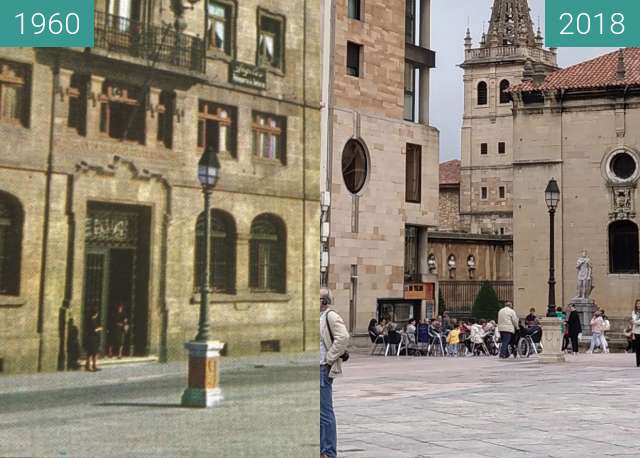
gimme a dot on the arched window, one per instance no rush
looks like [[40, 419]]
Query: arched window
[[482, 93], [222, 252], [623, 248], [268, 255], [10, 244], [505, 97]]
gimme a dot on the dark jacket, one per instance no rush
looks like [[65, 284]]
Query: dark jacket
[[573, 323]]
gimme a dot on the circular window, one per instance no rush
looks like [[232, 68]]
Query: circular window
[[354, 166], [623, 165]]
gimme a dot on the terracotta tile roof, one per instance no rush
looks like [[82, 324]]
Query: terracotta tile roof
[[597, 73], [450, 172]]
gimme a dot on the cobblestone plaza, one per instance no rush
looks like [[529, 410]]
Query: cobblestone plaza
[[483, 407]]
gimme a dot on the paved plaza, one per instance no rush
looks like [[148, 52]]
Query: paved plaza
[[483, 407], [271, 409]]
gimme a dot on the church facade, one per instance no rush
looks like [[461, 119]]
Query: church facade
[[577, 126], [100, 205]]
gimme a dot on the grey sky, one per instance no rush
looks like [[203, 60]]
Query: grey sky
[[449, 20]]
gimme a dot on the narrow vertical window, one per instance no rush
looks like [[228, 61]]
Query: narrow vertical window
[[505, 96], [354, 9], [271, 40], [413, 173], [269, 136], [410, 22], [14, 93], [482, 93], [411, 254], [268, 254], [166, 109], [221, 32], [410, 85], [78, 89], [354, 59], [502, 148], [484, 193], [222, 252], [623, 248], [484, 148], [501, 192], [10, 244]]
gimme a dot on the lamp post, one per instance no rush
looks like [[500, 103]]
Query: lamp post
[[552, 198], [204, 355]]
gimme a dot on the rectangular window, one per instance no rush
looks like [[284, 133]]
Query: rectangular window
[[166, 109], [410, 84], [411, 254], [269, 136], [271, 40], [221, 27], [413, 173], [502, 148], [217, 127], [354, 58], [410, 21], [484, 148], [354, 10], [123, 112], [14, 93], [78, 90], [484, 193], [501, 192]]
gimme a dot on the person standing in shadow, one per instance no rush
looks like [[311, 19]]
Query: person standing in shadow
[[73, 346], [575, 328], [92, 341]]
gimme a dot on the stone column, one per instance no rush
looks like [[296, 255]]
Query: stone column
[[242, 261], [62, 104], [551, 340], [93, 106], [151, 118]]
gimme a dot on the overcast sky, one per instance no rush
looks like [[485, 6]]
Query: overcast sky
[[449, 20]]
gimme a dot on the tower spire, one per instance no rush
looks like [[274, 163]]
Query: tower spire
[[511, 24]]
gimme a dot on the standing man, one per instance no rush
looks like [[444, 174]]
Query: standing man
[[334, 339], [507, 325], [574, 327]]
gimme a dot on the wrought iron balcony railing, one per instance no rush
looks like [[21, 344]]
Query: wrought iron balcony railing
[[151, 43]]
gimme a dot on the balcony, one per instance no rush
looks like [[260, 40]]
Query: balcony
[[157, 46], [513, 52]]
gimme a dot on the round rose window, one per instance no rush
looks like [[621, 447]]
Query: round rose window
[[623, 165]]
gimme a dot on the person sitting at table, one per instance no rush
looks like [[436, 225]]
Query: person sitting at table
[[411, 331], [373, 330], [381, 327]]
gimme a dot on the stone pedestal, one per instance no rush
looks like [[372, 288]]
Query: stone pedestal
[[203, 390], [585, 308], [551, 341]]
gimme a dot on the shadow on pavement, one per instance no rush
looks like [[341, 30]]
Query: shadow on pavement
[[141, 404]]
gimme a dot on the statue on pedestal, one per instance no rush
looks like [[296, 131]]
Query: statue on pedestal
[[585, 276]]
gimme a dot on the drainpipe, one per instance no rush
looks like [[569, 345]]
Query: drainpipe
[[47, 211]]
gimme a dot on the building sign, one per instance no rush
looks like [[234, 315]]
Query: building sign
[[111, 227], [247, 75]]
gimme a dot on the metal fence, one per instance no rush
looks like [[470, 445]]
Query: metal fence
[[459, 295], [149, 42]]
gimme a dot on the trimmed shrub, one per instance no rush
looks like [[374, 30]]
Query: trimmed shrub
[[486, 305]]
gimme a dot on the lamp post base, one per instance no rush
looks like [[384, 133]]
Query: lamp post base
[[552, 341], [204, 375]]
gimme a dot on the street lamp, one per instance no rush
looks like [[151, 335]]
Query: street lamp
[[552, 198], [204, 355]]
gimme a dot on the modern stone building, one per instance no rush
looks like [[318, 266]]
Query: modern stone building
[[99, 198], [577, 126], [487, 128], [380, 159]]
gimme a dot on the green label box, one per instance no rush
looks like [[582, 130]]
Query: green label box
[[592, 23], [46, 23]]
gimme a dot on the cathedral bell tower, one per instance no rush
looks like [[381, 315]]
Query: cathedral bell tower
[[498, 62]]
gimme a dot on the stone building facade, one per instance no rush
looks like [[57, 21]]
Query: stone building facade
[[487, 127], [577, 126], [380, 157], [99, 198]]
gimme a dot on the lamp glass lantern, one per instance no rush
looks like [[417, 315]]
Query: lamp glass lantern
[[552, 194], [209, 168]]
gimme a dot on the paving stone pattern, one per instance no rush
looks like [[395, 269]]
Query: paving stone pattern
[[483, 407]]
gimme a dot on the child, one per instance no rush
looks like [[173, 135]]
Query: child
[[453, 341]]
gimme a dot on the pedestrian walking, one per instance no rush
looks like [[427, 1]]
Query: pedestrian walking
[[597, 328], [92, 341], [635, 317], [574, 327], [606, 327], [334, 339], [507, 325]]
